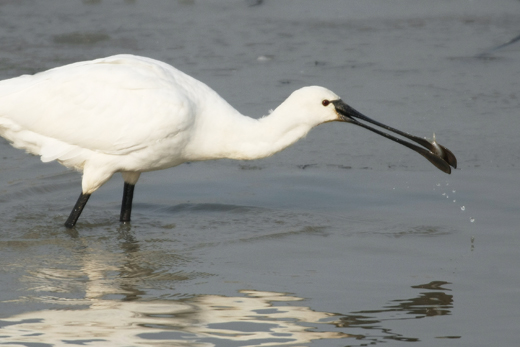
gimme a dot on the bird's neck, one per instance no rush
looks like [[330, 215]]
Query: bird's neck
[[266, 136], [244, 138]]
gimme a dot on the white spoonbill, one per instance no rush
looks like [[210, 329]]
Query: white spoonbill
[[132, 114]]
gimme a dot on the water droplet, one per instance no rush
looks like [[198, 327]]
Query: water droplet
[[447, 196], [463, 208], [443, 194], [438, 184], [472, 219], [453, 191], [454, 200]]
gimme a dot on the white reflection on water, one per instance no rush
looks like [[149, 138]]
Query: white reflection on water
[[100, 295], [97, 316], [205, 320], [255, 318]]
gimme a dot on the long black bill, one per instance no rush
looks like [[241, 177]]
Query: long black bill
[[438, 155]]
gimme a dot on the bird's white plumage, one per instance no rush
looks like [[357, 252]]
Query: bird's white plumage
[[133, 114]]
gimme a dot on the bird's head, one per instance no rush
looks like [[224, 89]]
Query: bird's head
[[320, 105]]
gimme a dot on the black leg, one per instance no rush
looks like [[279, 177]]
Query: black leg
[[76, 211], [126, 205]]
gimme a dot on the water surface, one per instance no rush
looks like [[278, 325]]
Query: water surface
[[344, 239]]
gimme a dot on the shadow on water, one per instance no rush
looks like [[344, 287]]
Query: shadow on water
[[99, 292]]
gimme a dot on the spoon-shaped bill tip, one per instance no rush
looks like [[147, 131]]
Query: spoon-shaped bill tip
[[433, 158], [448, 156]]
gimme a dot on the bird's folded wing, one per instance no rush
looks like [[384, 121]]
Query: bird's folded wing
[[108, 106]]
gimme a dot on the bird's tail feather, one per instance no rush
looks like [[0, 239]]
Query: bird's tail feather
[[47, 148]]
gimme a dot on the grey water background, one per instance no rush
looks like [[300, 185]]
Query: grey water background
[[344, 239]]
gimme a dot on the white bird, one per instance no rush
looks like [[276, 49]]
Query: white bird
[[132, 114]]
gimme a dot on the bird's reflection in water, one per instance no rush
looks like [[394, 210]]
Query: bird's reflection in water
[[255, 317], [204, 320], [434, 302], [104, 298]]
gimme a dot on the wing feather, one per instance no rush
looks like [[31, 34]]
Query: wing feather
[[115, 105]]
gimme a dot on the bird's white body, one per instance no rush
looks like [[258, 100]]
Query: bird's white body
[[132, 114]]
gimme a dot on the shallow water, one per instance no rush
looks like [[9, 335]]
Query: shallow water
[[344, 239]]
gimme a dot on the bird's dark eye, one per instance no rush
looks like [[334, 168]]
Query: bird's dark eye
[[325, 102]]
